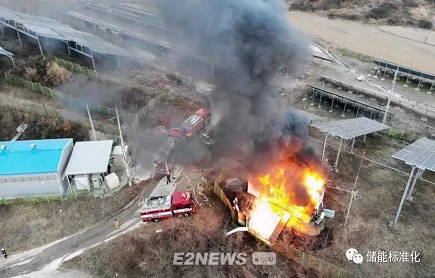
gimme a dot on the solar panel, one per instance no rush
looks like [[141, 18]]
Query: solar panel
[[404, 69], [49, 28], [349, 129], [421, 153]]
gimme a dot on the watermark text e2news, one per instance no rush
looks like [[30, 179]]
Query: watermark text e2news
[[217, 258], [210, 258]]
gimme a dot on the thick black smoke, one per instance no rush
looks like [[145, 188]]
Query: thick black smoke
[[247, 40]]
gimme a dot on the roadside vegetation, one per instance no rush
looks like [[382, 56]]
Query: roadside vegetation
[[40, 126], [352, 54], [414, 13], [28, 226]]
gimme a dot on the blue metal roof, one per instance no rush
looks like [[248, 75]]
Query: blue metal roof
[[19, 158]]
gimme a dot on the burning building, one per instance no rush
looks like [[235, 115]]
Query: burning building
[[294, 202], [285, 194]]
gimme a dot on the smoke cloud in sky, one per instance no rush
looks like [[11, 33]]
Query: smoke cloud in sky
[[247, 40]]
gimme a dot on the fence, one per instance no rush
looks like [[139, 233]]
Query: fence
[[220, 193], [66, 99], [76, 67], [80, 104], [106, 77], [44, 199], [30, 200], [284, 248], [151, 104], [90, 73]]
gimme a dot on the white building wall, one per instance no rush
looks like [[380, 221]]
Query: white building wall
[[29, 186]]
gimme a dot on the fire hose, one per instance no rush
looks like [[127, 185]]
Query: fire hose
[[199, 191], [239, 229], [194, 195]]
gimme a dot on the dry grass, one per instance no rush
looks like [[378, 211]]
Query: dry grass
[[29, 226], [367, 230], [43, 70], [402, 13], [30, 73], [144, 253], [40, 127], [56, 74]]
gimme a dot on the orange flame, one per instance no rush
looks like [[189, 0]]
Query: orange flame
[[295, 190]]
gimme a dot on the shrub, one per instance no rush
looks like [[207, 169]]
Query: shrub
[[30, 74], [350, 16], [331, 4], [410, 3], [425, 24], [55, 74], [43, 70], [382, 11], [301, 5], [395, 20]]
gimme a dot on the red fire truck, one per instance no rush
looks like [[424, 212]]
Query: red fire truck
[[193, 125], [162, 207]]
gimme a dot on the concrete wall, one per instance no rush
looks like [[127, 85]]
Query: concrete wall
[[29, 186]]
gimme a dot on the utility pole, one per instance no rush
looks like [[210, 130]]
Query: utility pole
[[354, 191], [93, 16], [127, 167], [90, 120], [389, 98], [324, 148]]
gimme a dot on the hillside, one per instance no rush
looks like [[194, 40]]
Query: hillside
[[416, 13]]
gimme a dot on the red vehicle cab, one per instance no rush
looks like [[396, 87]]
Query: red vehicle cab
[[162, 207]]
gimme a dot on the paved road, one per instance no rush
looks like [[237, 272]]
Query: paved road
[[367, 39], [90, 237]]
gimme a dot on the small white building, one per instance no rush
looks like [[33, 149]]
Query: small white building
[[33, 168], [118, 156], [88, 164]]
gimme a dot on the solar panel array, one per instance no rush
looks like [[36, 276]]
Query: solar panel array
[[5, 52], [349, 129], [315, 88], [421, 153], [404, 69], [49, 28]]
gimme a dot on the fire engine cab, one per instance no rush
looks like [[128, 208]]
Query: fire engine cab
[[162, 207], [193, 125]]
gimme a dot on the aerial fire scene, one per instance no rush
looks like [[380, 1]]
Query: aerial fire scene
[[217, 138]]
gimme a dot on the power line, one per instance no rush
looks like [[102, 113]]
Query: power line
[[370, 160], [354, 192]]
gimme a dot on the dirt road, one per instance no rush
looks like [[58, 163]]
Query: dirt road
[[368, 40]]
